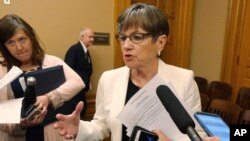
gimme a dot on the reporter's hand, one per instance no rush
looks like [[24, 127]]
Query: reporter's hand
[[42, 102], [36, 120], [68, 124], [161, 136], [211, 139]]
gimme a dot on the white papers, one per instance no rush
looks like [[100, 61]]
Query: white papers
[[146, 110], [10, 76], [10, 111]]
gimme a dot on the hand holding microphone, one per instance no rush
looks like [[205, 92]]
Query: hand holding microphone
[[28, 108]]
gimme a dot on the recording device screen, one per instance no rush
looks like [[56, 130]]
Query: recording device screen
[[141, 134], [145, 136], [214, 125], [30, 112]]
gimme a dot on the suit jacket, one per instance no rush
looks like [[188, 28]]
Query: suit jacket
[[76, 58], [111, 94]]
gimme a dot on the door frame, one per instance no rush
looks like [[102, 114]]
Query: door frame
[[231, 51]]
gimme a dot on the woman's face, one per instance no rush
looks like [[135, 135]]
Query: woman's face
[[138, 54], [20, 46]]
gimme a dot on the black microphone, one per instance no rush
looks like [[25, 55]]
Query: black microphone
[[28, 109], [177, 112]]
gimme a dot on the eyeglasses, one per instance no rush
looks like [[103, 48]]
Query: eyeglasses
[[134, 38]]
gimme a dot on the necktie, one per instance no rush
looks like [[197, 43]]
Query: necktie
[[90, 62], [88, 56]]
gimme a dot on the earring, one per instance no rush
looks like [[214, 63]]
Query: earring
[[159, 53]]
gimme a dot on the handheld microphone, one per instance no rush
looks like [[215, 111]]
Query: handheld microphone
[[177, 112], [28, 109]]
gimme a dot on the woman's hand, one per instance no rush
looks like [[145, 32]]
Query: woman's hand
[[35, 120], [68, 124], [161, 136], [42, 102]]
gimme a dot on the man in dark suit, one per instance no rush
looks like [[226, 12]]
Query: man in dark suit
[[78, 58]]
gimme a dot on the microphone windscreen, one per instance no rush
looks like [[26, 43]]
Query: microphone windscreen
[[175, 109]]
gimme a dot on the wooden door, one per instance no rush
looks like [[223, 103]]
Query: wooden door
[[180, 17], [236, 60], [243, 73]]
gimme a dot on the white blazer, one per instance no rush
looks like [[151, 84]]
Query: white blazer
[[111, 94]]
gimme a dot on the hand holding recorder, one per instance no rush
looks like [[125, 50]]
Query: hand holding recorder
[[28, 108]]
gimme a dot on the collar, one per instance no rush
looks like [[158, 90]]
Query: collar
[[84, 47]]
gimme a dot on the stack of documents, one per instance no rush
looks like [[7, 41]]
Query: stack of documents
[[10, 110], [146, 110]]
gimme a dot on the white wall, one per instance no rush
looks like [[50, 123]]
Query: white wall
[[58, 23], [58, 27]]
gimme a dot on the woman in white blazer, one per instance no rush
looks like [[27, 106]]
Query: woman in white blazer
[[142, 32]]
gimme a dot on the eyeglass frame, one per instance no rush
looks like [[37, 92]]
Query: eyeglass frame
[[132, 37]]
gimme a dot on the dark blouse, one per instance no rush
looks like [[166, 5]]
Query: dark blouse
[[132, 89]]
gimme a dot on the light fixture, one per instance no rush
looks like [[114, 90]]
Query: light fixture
[[6, 2]]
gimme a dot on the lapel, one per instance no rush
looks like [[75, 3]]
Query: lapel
[[121, 84], [81, 51], [85, 56], [79, 45], [160, 69], [118, 99], [164, 71], [120, 87], [88, 57]]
